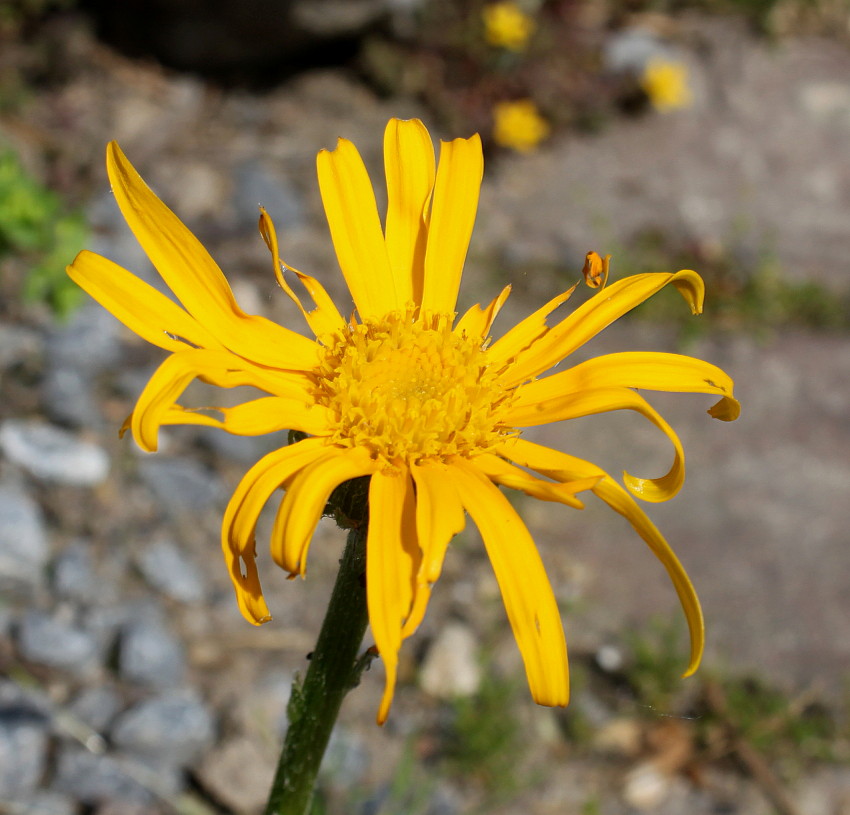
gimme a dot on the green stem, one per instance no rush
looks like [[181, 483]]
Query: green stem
[[334, 670]]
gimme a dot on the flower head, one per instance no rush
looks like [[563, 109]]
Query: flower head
[[402, 391], [666, 84], [519, 125], [507, 26]]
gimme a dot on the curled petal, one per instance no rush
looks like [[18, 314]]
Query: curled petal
[[240, 520], [213, 367], [527, 594], [324, 318], [305, 501], [258, 417], [645, 370], [561, 466], [500, 472], [606, 306], [528, 413], [478, 321]]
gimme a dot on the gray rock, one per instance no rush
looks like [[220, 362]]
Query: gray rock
[[175, 726], [181, 484], [23, 541], [93, 779], [149, 654], [238, 773], [73, 572], [167, 568], [23, 750], [96, 706], [336, 18], [257, 185], [347, 760], [53, 454], [66, 394], [630, 49], [17, 344], [88, 342], [50, 640], [41, 803]]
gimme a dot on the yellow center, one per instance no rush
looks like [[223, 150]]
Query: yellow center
[[411, 390]]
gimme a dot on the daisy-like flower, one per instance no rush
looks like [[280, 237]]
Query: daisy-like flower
[[401, 391], [518, 125], [665, 82], [507, 26]]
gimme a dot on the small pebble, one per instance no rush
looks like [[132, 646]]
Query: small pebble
[[175, 726], [166, 567], [49, 640], [53, 454], [150, 654], [23, 539], [23, 750], [73, 572]]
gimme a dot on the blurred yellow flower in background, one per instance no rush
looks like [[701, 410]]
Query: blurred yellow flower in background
[[402, 391], [519, 125], [506, 25], [665, 82]]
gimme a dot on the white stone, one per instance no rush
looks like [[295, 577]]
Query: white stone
[[53, 454], [451, 666]]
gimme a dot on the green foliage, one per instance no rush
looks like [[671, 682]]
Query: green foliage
[[35, 226], [483, 736], [778, 726], [658, 656], [754, 298]]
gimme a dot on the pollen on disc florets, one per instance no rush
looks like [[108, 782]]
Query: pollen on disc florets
[[411, 389]]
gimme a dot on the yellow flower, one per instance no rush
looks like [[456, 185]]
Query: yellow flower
[[518, 125], [402, 391], [506, 25], [666, 84]]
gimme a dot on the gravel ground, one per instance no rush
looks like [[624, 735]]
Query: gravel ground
[[128, 681]]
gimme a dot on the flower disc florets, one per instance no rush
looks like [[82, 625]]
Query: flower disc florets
[[411, 389]]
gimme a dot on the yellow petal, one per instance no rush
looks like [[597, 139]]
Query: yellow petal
[[555, 464], [240, 520], [526, 332], [143, 309], [305, 501], [439, 517], [478, 321], [325, 318], [246, 582], [500, 472], [453, 210], [214, 367], [352, 214], [194, 277], [525, 412], [606, 306], [258, 417], [392, 561], [410, 170], [527, 594], [645, 370]]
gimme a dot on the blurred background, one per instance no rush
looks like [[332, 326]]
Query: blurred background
[[705, 135]]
